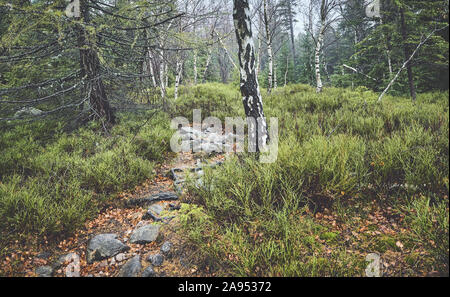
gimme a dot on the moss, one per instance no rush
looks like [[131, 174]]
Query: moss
[[329, 236], [384, 243]]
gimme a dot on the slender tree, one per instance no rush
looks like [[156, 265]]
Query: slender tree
[[250, 91]]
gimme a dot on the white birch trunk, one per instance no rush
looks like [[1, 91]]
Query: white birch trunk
[[317, 58], [269, 49], [150, 67], [251, 95], [195, 67], [208, 61], [179, 72], [287, 70], [162, 79]]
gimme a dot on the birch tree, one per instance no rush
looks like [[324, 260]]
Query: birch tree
[[326, 17], [251, 95]]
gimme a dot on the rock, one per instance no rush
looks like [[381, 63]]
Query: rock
[[156, 208], [121, 257], [154, 213], [166, 247], [63, 260], [73, 269], [131, 268], [104, 246], [145, 234], [44, 255], [173, 173], [149, 215], [44, 271], [72, 263], [169, 196], [148, 272], [156, 259]]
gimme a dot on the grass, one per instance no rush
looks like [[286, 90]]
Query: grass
[[50, 187], [340, 152], [347, 168]]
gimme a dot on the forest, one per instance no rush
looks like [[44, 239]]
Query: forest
[[352, 96]]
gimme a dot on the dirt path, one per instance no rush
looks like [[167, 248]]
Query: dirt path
[[136, 236]]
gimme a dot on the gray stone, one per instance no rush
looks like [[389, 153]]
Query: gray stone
[[156, 208], [64, 259], [104, 246], [44, 271], [44, 255], [121, 257], [156, 259], [145, 234], [131, 268], [73, 269], [166, 247], [148, 272], [163, 196], [149, 215], [72, 263]]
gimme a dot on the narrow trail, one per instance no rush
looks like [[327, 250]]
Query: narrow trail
[[135, 237]]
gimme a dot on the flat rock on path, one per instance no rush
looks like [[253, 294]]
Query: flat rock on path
[[132, 268], [145, 234], [148, 272], [44, 271], [164, 196], [157, 209], [156, 260], [104, 246], [72, 263], [166, 248]]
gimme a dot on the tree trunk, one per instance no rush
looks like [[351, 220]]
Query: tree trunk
[[287, 70], [275, 81], [258, 61], [208, 61], [148, 66], [90, 69], [250, 91], [162, 79], [148, 62], [407, 53], [179, 72], [195, 67], [226, 51], [269, 49], [291, 29], [388, 50], [317, 58]]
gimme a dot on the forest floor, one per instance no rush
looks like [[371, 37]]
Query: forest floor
[[69, 256], [339, 192]]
